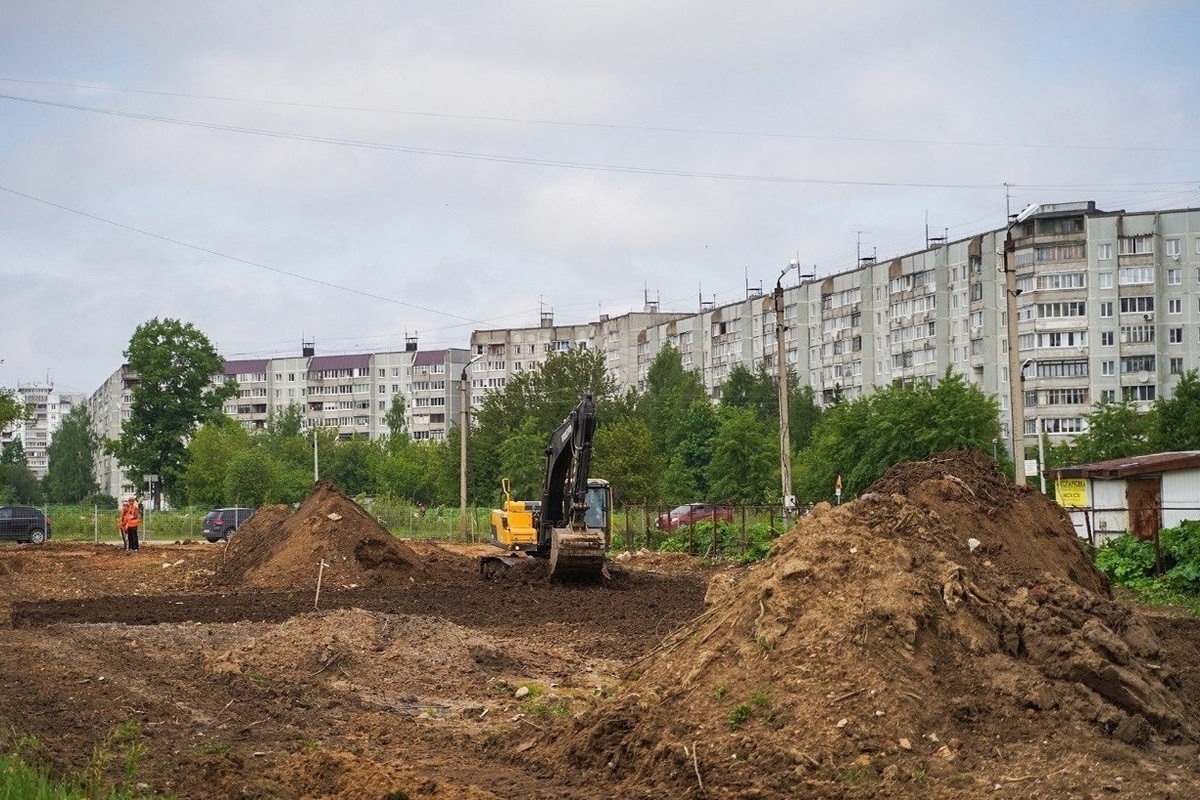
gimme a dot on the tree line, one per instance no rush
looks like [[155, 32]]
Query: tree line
[[668, 444]]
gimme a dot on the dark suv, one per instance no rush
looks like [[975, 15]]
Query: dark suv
[[24, 524], [220, 523]]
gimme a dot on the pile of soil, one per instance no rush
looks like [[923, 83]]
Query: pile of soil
[[944, 635], [277, 550]]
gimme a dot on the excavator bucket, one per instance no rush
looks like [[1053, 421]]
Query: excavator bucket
[[577, 555]]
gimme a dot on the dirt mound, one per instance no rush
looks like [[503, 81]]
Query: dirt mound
[[278, 550], [945, 634]]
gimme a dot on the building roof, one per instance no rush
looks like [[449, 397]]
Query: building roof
[[355, 361], [249, 366], [429, 358], [1132, 466]]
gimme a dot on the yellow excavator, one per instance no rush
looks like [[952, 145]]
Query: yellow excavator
[[572, 523]]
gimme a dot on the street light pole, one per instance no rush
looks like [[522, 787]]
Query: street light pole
[[785, 449], [1016, 372], [465, 400]]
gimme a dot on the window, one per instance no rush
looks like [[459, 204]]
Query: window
[[1137, 305], [1133, 276], [1106, 309], [1108, 368], [1174, 276], [1104, 280], [1108, 394], [1174, 306], [1107, 338], [1175, 335], [1173, 248], [1062, 280], [1104, 252], [1135, 245], [1176, 365], [1130, 364], [1143, 392]]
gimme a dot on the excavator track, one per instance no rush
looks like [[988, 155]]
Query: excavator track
[[577, 555]]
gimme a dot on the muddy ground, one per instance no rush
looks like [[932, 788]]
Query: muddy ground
[[945, 636]]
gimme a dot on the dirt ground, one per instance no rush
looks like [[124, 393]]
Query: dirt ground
[[944, 636]]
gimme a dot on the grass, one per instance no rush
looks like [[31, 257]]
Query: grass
[[20, 780]]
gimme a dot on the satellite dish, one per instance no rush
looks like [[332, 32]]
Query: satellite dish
[[1143, 376]]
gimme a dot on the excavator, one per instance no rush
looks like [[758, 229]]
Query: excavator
[[571, 524]]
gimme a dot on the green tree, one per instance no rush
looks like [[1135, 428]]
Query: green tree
[[174, 364], [18, 484], [1114, 430], [523, 460], [860, 439], [1175, 421], [72, 453], [395, 420], [625, 457], [350, 464], [11, 409], [13, 454], [249, 478], [686, 478], [210, 452], [745, 459], [670, 391]]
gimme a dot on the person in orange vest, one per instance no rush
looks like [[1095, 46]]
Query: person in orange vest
[[131, 519]]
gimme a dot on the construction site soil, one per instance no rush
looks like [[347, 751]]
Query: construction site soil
[[943, 636]]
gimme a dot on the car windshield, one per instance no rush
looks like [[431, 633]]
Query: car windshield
[[675, 512]]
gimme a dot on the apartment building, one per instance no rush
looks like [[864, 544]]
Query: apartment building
[[351, 393], [1107, 306], [47, 409]]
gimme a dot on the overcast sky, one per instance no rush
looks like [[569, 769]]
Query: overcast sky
[[354, 172]]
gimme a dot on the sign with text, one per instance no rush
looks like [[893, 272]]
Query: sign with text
[[1071, 492]]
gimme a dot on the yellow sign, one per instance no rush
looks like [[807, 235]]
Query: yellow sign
[[1071, 492]]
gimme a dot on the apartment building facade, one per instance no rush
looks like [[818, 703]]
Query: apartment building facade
[[1107, 307], [47, 408]]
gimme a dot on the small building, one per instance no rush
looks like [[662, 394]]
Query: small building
[[1140, 495]]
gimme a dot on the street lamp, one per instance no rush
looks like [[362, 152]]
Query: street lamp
[[465, 389], [785, 449], [1016, 398]]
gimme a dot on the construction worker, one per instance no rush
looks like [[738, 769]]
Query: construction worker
[[131, 518]]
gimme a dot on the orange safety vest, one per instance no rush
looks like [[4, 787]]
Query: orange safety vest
[[130, 516]]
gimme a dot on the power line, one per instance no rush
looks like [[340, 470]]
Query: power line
[[613, 126], [247, 262], [542, 162]]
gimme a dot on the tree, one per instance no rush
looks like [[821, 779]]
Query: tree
[[395, 420], [11, 410], [686, 478], [210, 452], [1114, 430], [174, 364], [72, 453], [18, 484], [625, 458], [670, 391], [745, 459], [860, 439], [1175, 421], [249, 479], [13, 454], [350, 463]]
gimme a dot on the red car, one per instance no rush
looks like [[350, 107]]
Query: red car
[[692, 513]]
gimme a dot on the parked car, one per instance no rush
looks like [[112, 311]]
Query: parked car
[[220, 523], [24, 524], [692, 513]]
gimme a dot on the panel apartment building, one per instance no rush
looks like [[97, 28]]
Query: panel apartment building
[[351, 393], [47, 408], [1107, 306]]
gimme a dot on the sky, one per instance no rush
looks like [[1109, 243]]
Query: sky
[[356, 173]]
